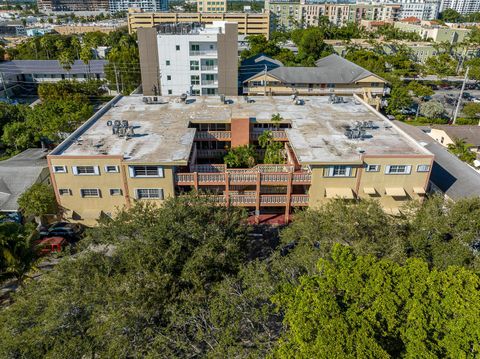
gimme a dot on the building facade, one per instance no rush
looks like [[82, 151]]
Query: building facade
[[421, 9], [183, 59], [139, 151], [143, 5], [247, 23], [462, 6], [73, 5], [212, 6]]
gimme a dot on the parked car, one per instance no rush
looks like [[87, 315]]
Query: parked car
[[69, 231], [467, 96], [50, 245]]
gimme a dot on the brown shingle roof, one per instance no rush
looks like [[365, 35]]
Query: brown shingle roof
[[470, 133]]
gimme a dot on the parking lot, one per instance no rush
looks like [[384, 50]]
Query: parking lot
[[449, 98]]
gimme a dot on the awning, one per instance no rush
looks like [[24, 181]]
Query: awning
[[369, 190], [395, 192], [419, 190], [346, 193]]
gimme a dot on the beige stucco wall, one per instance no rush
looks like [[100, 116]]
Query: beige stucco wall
[[441, 137], [361, 179], [87, 210]]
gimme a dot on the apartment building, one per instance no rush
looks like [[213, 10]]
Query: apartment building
[[139, 5], [49, 6], [464, 7], [139, 151], [422, 9], [289, 14], [184, 59], [434, 32], [212, 6], [247, 23], [332, 75]]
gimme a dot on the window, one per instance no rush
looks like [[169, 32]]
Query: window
[[169, 92], [194, 65], [150, 193], [194, 47], [195, 92], [145, 171], [177, 47], [209, 77], [90, 192], [85, 170], [423, 168], [339, 171], [167, 62], [397, 169], [60, 169], [195, 80], [111, 169], [372, 168], [115, 192], [64, 192], [169, 77]]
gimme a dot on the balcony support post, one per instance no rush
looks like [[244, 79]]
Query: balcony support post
[[195, 180], [289, 197], [257, 199], [227, 189]]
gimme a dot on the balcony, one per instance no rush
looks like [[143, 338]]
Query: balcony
[[210, 68], [218, 176], [209, 82], [211, 153], [276, 134], [266, 200], [203, 52], [213, 135]]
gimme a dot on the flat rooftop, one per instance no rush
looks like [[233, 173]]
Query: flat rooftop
[[161, 133]]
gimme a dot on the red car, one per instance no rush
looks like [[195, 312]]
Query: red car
[[50, 245]]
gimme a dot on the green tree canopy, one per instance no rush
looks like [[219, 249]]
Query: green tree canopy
[[38, 200], [432, 109], [359, 306]]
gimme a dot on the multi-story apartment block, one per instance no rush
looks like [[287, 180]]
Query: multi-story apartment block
[[435, 32], [73, 5], [462, 6], [212, 6], [101, 5], [288, 14], [183, 59], [422, 9], [144, 5], [248, 23], [139, 150]]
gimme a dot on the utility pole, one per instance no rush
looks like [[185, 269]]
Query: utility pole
[[461, 95], [4, 86], [116, 78]]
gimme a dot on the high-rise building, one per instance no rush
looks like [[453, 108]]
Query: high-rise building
[[461, 6], [212, 6], [183, 59]]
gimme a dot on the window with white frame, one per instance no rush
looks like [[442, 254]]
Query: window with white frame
[[111, 169], [149, 193], [194, 65], [64, 192], [423, 168], [90, 192], [60, 169], [372, 168], [115, 192], [145, 171], [398, 169], [85, 170], [339, 171]]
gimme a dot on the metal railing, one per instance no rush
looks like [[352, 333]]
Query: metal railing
[[187, 178], [274, 177], [301, 177], [242, 199], [202, 52], [213, 135], [243, 177], [210, 68], [273, 199], [209, 82], [299, 199], [276, 134], [209, 168], [211, 153], [211, 177]]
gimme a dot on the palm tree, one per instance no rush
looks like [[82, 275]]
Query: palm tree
[[461, 149]]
